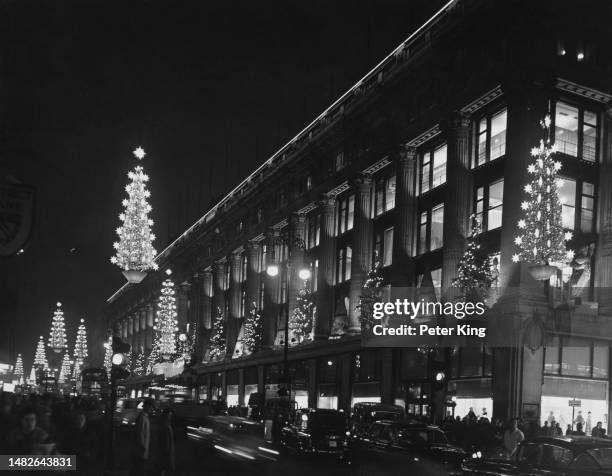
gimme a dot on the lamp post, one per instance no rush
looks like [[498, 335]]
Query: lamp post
[[273, 269]]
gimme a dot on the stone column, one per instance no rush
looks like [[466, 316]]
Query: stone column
[[603, 254], [234, 320], [219, 290], [207, 298], [182, 305], [123, 329], [130, 331], [325, 278], [362, 247], [143, 329], [150, 310], [458, 202], [296, 251], [270, 310], [404, 231], [252, 277]]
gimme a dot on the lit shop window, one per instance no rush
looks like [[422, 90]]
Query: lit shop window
[[343, 264], [433, 168], [576, 131], [571, 203], [491, 137], [346, 213], [383, 246], [431, 226], [313, 231], [243, 268], [384, 196], [489, 205]]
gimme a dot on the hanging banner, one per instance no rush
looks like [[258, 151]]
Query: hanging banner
[[16, 217]]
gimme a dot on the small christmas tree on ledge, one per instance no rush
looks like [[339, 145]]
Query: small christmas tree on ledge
[[371, 294], [542, 239], [251, 338], [153, 357], [217, 339], [134, 251], [300, 323], [474, 269], [139, 365]]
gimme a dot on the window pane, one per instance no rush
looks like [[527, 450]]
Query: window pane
[[439, 162], [349, 259], [423, 233], [388, 247], [498, 134], [436, 278], [567, 195], [589, 140], [482, 141], [496, 198], [379, 199], [390, 202], [576, 358], [586, 215], [351, 212], [425, 178], [600, 361], [437, 223], [551, 357], [566, 129]]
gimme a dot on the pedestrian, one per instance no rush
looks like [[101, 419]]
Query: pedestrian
[[28, 437], [598, 431], [167, 461], [558, 429], [579, 431], [512, 437], [568, 430], [588, 424], [141, 452]]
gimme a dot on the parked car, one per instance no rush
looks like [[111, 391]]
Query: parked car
[[317, 431], [365, 413], [407, 443], [550, 456]]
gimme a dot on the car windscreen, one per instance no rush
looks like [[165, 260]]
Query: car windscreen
[[603, 456], [327, 420], [421, 436]]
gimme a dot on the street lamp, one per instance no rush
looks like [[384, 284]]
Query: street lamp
[[273, 270]]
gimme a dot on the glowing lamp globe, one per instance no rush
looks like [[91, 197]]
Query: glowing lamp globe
[[304, 274], [134, 276], [272, 270]]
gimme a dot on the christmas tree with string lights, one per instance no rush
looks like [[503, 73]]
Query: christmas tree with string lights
[[18, 370], [65, 369], [40, 358], [371, 294], [300, 323], [153, 357], [217, 339], [134, 250], [108, 354], [57, 336], [80, 348], [139, 364], [474, 271], [251, 336], [542, 237], [166, 324]]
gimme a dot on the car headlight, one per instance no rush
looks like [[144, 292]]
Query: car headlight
[[477, 454]]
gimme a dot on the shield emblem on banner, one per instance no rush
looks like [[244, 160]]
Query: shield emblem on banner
[[16, 217]]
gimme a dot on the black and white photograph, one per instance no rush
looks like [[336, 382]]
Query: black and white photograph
[[306, 237]]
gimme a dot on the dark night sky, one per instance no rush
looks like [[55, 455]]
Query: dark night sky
[[209, 89]]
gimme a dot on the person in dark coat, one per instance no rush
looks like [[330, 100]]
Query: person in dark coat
[[24, 439], [166, 452], [598, 431]]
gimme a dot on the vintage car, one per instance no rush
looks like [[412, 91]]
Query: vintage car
[[230, 437], [365, 413], [317, 431], [551, 456], [404, 444]]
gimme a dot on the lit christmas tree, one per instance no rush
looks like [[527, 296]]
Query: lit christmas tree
[[217, 339], [108, 354], [542, 239], [300, 323], [32, 378], [134, 250], [372, 293], [139, 364], [166, 324], [80, 348], [251, 336], [40, 359], [57, 337], [153, 358], [65, 369], [475, 269], [18, 370]]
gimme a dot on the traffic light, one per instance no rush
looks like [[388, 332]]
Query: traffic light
[[119, 360], [438, 371]]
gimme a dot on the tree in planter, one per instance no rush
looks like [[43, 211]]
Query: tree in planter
[[371, 294], [475, 269], [217, 339], [300, 323], [253, 327]]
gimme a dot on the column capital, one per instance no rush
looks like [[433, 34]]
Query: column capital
[[608, 110], [362, 182], [457, 121], [406, 154], [327, 202], [252, 247]]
